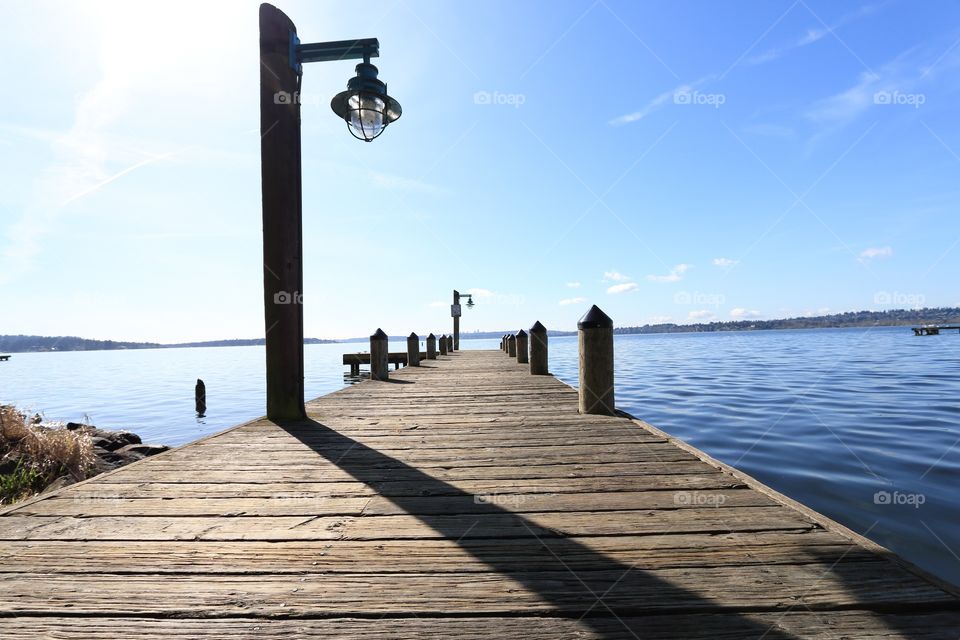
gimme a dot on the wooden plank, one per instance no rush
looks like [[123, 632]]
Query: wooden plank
[[440, 555], [626, 592], [819, 625]]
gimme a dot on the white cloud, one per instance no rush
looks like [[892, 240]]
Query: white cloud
[[701, 316], [481, 293], [743, 314], [614, 276], [573, 285], [812, 35], [567, 301], [875, 253], [398, 183], [675, 275], [622, 288], [725, 263], [667, 97]]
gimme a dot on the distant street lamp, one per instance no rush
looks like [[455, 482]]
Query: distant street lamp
[[455, 312], [367, 110]]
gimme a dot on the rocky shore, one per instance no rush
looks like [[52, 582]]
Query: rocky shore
[[36, 457]]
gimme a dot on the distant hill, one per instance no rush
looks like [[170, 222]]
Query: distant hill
[[23, 344], [893, 317]]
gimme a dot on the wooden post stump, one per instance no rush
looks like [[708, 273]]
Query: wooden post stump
[[538, 350], [413, 350], [449, 344], [443, 345], [200, 397], [431, 347], [522, 347], [595, 338], [512, 346], [379, 367]]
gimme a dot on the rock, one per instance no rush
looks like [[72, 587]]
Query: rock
[[59, 483], [112, 440], [144, 450], [108, 456], [9, 463], [73, 426]]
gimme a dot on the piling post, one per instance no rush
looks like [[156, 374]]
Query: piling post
[[282, 223], [443, 345], [413, 350], [522, 347], [512, 346], [200, 397], [431, 347], [595, 339], [450, 344], [538, 350], [379, 367]]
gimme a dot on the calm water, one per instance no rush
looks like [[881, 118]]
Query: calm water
[[862, 425]]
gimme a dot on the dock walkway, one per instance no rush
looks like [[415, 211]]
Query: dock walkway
[[463, 498]]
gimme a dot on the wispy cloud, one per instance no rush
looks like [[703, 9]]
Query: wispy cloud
[[875, 253], [702, 315], [675, 275], [399, 183], [573, 285], [660, 101], [725, 263], [614, 276], [743, 314], [567, 301], [481, 293], [622, 288], [812, 34]]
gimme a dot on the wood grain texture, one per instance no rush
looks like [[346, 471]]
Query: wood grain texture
[[462, 488]]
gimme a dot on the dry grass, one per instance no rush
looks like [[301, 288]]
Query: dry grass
[[44, 453]]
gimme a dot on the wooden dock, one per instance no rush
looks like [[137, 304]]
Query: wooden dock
[[934, 330], [462, 498]]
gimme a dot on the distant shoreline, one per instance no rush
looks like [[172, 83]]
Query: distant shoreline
[[848, 320]]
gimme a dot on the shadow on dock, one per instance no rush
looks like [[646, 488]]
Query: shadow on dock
[[602, 597]]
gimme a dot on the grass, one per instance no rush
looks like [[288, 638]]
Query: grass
[[43, 454]]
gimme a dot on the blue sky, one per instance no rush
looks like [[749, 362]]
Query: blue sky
[[668, 161]]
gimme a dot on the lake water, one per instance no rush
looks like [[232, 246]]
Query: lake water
[[862, 425]]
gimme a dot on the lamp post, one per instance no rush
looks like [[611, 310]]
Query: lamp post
[[455, 311], [367, 110]]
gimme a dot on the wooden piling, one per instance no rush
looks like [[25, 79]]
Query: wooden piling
[[443, 345], [431, 347], [280, 182], [595, 339], [413, 350], [538, 350], [450, 344], [512, 346], [521, 340], [379, 366], [200, 398]]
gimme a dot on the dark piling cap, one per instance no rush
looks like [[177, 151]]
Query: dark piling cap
[[431, 337], [521, 334], [595, 319], [538, 328], [511, 338], [379, 335], [443, 336], [413, 335]]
